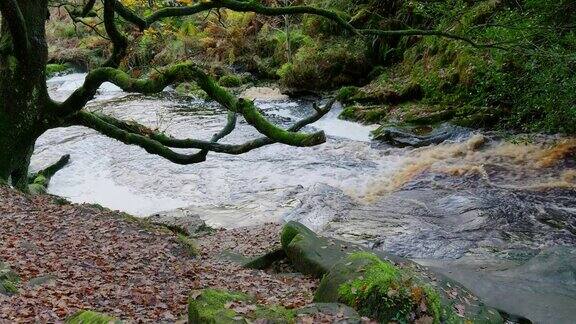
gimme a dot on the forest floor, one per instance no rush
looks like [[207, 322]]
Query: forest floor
[[101, 260]]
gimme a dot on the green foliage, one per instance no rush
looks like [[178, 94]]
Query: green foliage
[[346, 93], [230, 81], [325, 66], [530, 88], [53, 69], [533, 87]]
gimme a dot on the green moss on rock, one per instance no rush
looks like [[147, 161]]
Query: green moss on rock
[[91, 317], [379, 290], [9, 280], [215, 307], [189, 244], [309, 253], [365, 114], [209, 307], [345, 94]]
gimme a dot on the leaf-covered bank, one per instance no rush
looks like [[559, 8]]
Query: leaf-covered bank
[[70, 258]]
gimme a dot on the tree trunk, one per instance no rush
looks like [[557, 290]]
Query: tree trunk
[[23, 96]]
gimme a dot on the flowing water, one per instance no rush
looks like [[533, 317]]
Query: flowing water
[[480, 209]]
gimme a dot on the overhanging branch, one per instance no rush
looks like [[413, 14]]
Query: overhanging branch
[[132, 133], [213, 146], [179, 73]]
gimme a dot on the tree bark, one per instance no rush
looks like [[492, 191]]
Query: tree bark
[[23, 108]]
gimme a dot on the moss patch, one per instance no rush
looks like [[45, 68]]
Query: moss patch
[[212, 306], [230, 81], [379, 290], [91, 317], [9, 280], [189, 244]]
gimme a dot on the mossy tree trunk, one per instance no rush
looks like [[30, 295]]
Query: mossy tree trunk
[[24, 98]]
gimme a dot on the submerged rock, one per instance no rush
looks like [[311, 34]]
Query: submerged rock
[[418, 136]]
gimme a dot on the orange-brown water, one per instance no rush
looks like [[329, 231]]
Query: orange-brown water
[[541, 164]]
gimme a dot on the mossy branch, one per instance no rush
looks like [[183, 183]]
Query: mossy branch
[[186, 72], [257, 7], [213, 146], [42, 178], [151, 146], [119, 41], [12, 15]]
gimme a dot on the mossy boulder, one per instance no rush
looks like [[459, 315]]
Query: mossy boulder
[[309, 253], [9, 280], [91, 317], [379, 285], [365, 114], [379, 290], [211, 306]]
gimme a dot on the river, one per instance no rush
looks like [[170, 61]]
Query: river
[[486, 209]]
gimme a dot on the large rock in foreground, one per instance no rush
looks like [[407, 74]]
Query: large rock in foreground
[[381, 286]]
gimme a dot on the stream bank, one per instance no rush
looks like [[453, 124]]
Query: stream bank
[[478, 201]]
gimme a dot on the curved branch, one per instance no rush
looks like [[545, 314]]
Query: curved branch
[[234, 149], [119, 41], [185, 72], [130, 16], [12, 15], [83, 118], [87, 8], [248, 6]]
